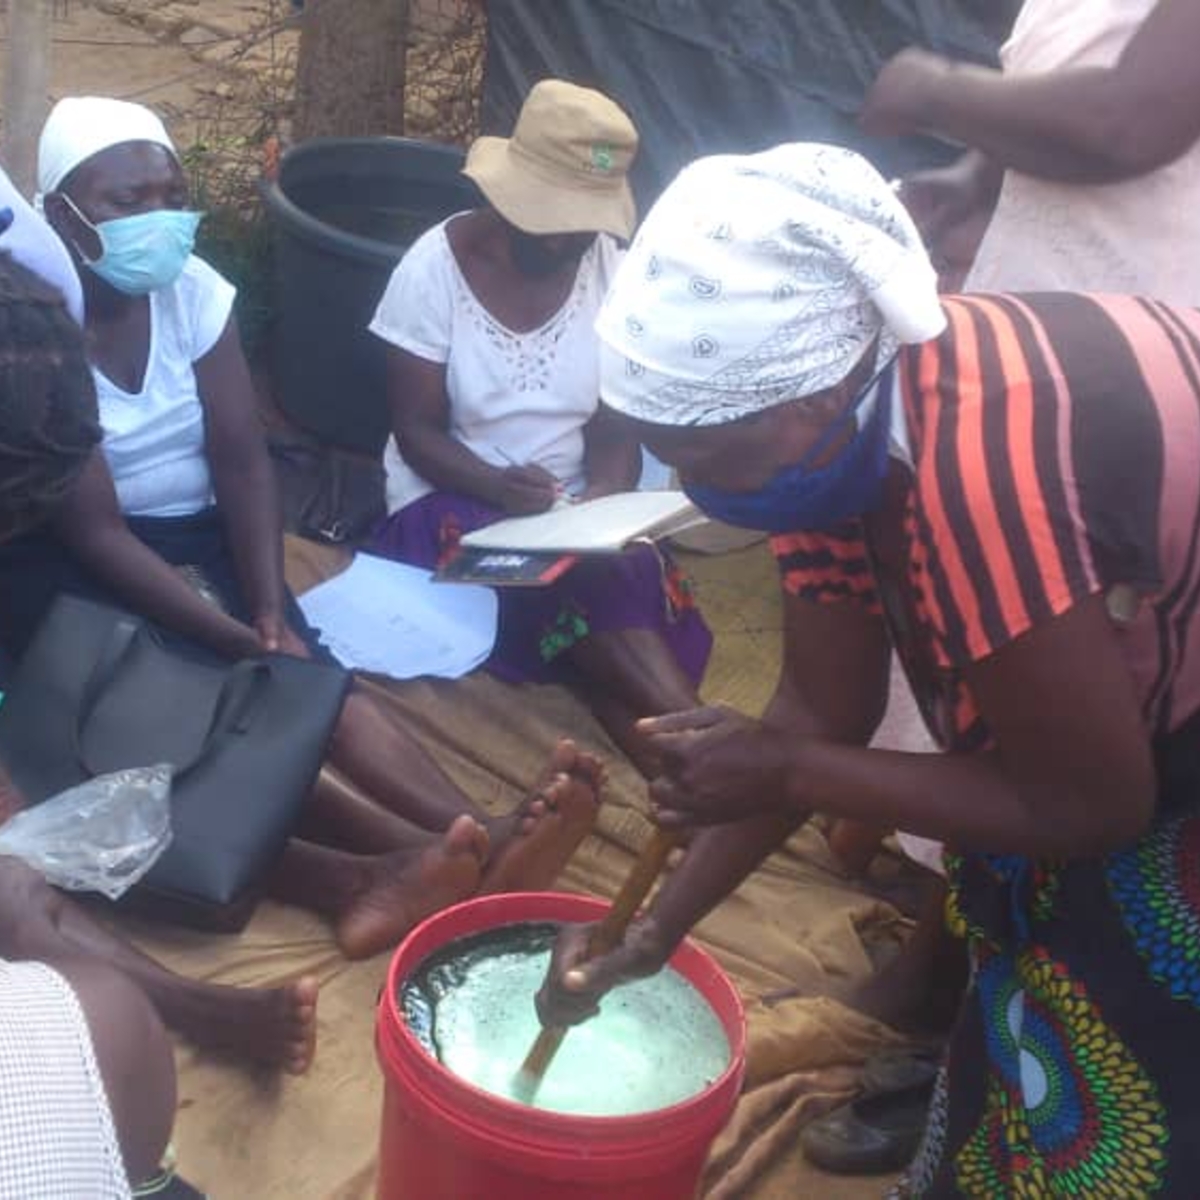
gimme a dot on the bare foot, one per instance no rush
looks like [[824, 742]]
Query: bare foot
[[397, 891], [548, 827], [274, 1027]]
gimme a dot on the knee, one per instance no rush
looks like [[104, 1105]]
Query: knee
[[357, 709], [29, 909], [135, 1060]]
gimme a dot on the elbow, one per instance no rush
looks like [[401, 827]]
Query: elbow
[[417, 445], [1134, 154], [90, 537], [1117, 825], [1123, 143], [1121, 832], [412, 453], [409, 442], [236, 462]]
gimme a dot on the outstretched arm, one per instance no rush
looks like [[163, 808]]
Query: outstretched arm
[[1071, 775], [91, 526], [244, 483], [833, 686], [1077, 125]]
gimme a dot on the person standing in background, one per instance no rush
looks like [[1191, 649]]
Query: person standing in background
[[1083, 164], [1083, 167]]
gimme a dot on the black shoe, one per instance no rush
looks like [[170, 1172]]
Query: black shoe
[[881, 1130]]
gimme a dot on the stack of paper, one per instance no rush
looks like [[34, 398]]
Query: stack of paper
[[390, 619]]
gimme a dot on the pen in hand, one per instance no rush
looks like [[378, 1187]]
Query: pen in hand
[[562, 496]]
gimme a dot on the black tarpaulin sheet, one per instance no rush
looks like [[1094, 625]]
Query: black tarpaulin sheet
[[714, 76]]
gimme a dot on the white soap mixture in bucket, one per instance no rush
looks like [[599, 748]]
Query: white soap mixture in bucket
[[655, 1043]]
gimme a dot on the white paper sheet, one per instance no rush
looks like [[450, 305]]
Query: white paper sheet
[[391, 619]]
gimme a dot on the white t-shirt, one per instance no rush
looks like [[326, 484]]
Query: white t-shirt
[[1141, 236], [154, 438], [514, 397]]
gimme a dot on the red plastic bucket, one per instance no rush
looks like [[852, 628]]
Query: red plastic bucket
[[443, 1139]]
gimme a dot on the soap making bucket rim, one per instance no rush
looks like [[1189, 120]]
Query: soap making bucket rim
[[322, 234], [567, 1123]]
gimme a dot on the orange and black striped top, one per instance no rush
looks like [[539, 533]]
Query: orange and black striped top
[[1055, 441]]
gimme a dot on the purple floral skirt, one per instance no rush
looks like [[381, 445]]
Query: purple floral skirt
[[639, 589]]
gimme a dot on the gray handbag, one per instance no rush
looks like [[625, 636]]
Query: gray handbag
[[98, 690]]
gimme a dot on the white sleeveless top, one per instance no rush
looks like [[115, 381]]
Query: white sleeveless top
[[1141, 236], [514, 397]]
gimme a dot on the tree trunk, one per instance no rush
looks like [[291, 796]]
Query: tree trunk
[[350, 71], [26, 88]]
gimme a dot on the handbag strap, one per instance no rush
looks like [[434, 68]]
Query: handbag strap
[[232, 711]]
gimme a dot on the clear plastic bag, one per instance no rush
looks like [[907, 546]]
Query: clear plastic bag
[[101, 836]]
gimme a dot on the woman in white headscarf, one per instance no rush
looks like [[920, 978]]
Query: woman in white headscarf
[[1008, 497], [178, 519]]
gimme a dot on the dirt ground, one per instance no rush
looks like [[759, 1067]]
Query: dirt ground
[[191, 59]]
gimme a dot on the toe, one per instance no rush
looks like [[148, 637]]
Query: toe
[[564, 756], [467, 836], [307, 989], [553, 793], [589, 767]]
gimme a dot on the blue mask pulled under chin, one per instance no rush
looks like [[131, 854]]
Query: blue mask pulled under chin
[[805, 497]]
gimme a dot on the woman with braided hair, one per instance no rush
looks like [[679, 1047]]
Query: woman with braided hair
[[48, 423], [87, 1081]]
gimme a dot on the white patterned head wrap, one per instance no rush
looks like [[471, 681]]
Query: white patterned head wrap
[[760, 279]]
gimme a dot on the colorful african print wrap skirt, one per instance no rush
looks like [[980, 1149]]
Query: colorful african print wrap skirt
[[1075, 1068]]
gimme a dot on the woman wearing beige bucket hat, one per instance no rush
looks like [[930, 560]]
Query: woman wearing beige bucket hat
[[494, 385], [565, 168]]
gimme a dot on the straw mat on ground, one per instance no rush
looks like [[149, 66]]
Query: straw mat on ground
[[795, 927]]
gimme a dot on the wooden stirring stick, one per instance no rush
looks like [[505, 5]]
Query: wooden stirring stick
[[606, 936]]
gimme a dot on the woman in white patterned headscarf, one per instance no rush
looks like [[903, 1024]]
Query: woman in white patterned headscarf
[[762, 279], [1002, 489], [759, 282]]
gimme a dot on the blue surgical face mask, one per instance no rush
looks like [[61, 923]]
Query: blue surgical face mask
[[142, 253], [806, 497]]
